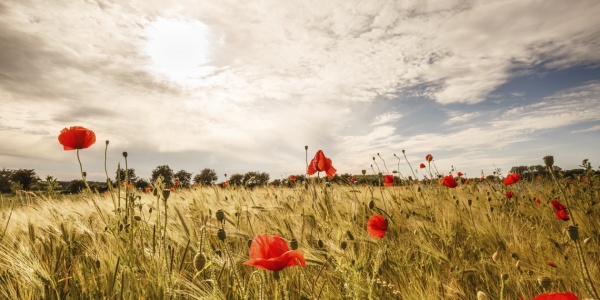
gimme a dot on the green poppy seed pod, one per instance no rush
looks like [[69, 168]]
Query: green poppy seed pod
[[320, 243], [573, 232], [249, 243], [221, 234], [350, 235], [120, 227], [199, 261], [549, 161], [137, 218], [402, 150], [276, 275], [470, 202], [220, 214], [97, 264], [344, 245], [166, 193], [364, 172], [489, 199], [150, 210], [371, 204], [84, 174], [419, 189], [107, 141], [293, 244], [154, 192], [125, 154], [504, 276], [544, 282]]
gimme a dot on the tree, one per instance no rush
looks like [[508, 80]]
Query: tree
[[164, 171], [206, 177], [236, 179], [121, 175], [5, 180], [76, 186], [25, 177], [185, 178], [142, 184], [256, 178]]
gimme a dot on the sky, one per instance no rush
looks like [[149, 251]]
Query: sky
[[240, 86]]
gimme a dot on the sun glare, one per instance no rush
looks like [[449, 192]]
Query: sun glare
[[178, 49]]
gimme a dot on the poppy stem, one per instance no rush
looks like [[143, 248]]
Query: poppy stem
[[411, 169], [82, 173]]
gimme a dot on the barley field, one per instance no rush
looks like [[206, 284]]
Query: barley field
[[436, 242]]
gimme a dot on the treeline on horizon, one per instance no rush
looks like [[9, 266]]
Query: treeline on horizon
[[14, 181]]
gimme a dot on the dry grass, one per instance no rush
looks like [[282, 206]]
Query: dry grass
[[437, 246]]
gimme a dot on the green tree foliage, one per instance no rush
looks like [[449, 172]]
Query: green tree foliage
[[206, 177], [120, 175], [142, 184], [184, 177], [25, 177], [256, 178], [5, 180], [165, 171], [236, 179], [75, 186]]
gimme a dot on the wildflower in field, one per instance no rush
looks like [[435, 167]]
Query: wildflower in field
[[459, 174], [467, 181], [353, 180], [556, 296], [76, 137], [512, 178], [271, 252], [428, 157], [388, 180], [538, 202], [560, 210], [176, 183], [450, 182], [551, 264], [224, 183], [320, 163], [172, 189], [292, 178], [482, 179], [422, 166], [377, 226], [148, 189], [509, 195]]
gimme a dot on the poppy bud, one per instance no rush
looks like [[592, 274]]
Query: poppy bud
[[97, 264], [504, 276], [107, 142], [549, 160], [166, 193], [221, 234], [305, 147], [371, 204], [573, 232], [293, 244], [320, 243], [364, 172], [220, 215], [276, 275], [544, 282], [343, 245], [199, 261], [350, 235], [137, 218], [469, 202], [125, 154], [84, 174], [249, 243]]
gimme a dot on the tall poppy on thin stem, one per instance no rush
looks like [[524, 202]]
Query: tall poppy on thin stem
[[320, 163], [272, 253], [76, 138]]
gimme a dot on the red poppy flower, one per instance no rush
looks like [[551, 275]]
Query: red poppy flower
[[320, 163], [509, 195], [467, 181], [562, 215], [388, 180], [271, 252], [352, 179], [557, 205], [377, 226], [539, 178], [76, 137], [552, 264], [148, 190], [176, 183], [511, 178], [538, 202], [292, 177], [459, 174], [172, 189], [428, 157], [482, 178], [224, 183], [556, 296], [422, 166], [450, 182]]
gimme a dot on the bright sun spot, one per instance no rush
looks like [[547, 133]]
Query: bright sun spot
[[178, 49]]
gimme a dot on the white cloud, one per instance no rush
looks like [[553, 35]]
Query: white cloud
[[385, 118]]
